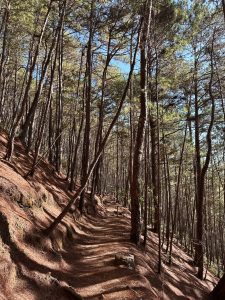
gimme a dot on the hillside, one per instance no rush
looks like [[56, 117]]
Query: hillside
[[78, 260]]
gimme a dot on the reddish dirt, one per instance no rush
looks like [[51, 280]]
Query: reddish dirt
[[78, 260]]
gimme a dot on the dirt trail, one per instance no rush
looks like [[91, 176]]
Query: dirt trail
[[89, 261], [86, 263]]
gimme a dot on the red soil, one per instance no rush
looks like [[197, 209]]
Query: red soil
[[79, 258]]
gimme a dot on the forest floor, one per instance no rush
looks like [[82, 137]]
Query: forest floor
[[78, 260]]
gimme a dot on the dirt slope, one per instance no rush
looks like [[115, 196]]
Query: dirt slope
[[78, 261]]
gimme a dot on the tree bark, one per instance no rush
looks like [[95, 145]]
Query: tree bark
[[86, 141], [135, 185]]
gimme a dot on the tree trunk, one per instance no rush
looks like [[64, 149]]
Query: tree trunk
[[86, 141], [135, 185]]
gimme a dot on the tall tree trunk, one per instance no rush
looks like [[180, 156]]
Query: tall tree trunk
[[96, 173], [59, 116], [218, 292], [177, 195], [86, 141], [201, 173], [135, 185], [4, 55], [74, 159]]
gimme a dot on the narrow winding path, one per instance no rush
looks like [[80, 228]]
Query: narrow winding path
[[89, 262]]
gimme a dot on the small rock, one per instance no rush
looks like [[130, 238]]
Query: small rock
[[126, 259]]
